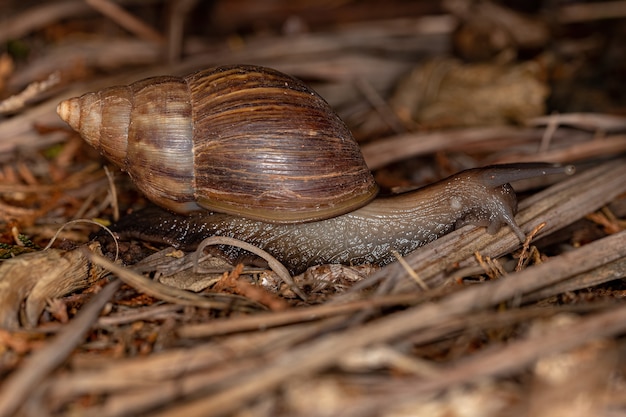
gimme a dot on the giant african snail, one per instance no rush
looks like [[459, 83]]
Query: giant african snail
[[269, 153]]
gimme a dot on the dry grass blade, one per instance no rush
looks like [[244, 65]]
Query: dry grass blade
[[148, 313], [605, 273], [39, 16], [384, 151], [269, 320], [612, 145], [589, 121], [593, 11], [126, 20], [18, 101]]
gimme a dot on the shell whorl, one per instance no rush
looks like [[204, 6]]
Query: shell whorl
[[155, 114], [239, 139]]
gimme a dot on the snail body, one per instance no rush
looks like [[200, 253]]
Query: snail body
[[250, 153], [351, 239], [370, 234]]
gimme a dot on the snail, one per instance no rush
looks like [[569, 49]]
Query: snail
[[252, 153]]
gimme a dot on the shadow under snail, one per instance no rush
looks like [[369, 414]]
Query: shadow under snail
[[252, 153]]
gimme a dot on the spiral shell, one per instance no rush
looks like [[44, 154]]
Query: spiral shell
[[240, 139]]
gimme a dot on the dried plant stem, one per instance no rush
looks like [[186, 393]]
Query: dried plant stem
[[269, 320], [18, 101], [589, 121], [595, 11], [40, 15], [612, 145], [604, 273], [384, 151], [126, 20]]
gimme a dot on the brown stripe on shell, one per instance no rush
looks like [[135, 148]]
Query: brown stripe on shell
[[115, 105], [160, 153], [289, 158], [89, 122]]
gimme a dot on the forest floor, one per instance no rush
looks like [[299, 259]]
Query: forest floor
[[472, 324]]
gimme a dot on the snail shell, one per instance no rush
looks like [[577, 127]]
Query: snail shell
[[242, 140]]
